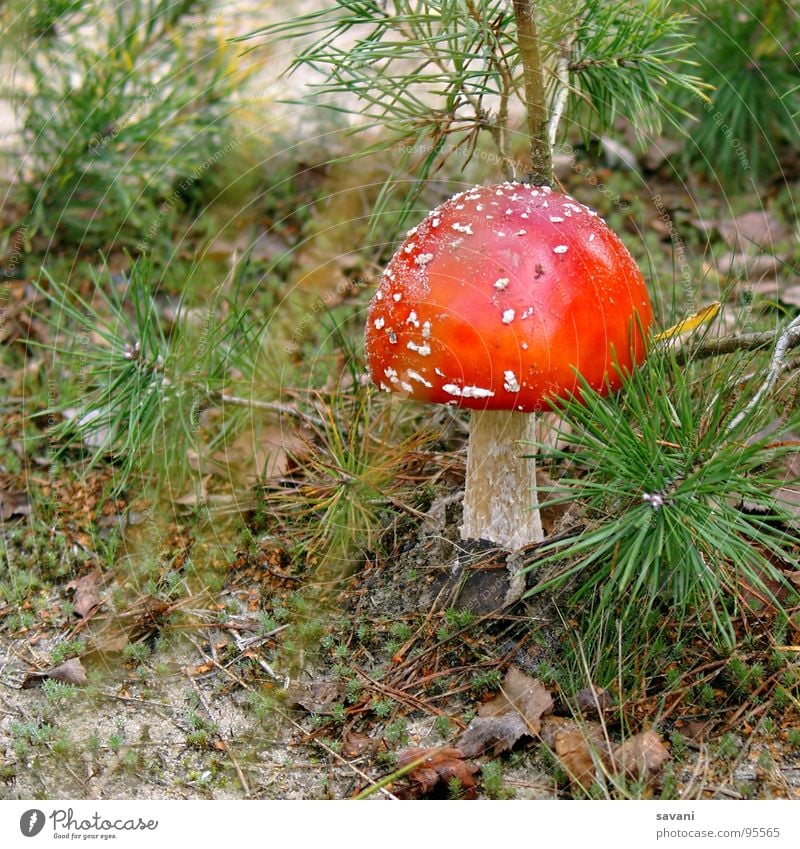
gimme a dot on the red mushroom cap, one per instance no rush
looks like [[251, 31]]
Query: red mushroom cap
[[499, 296]]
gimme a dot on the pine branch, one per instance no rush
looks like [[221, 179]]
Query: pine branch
[[272, 406], [437, 74], [560, 99], [725, 345], [789, 338]]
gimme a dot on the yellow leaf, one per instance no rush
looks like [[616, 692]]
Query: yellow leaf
[[702, 316]]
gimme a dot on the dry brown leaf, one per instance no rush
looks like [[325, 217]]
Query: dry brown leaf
[[791, 296], [521, 693], [69, 672], [266, 451], [580, 747], [277, 444], [762, 593], [437, 767], [594, 701], [759, 269], [110, 632], [767, 289], [357, 744], [313, 696], [515, 712], [695, 730], [14, 503], [87, 593], [788, 493], [579, 757], [552, 726], [492, 735], [641, 756], [753, 231], [557, 513]]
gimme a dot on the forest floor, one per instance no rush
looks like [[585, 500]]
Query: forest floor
[[223, 671]]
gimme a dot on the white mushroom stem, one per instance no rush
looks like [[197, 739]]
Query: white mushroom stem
[[500, 500]]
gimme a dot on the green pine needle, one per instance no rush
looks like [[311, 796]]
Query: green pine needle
[[131, 391], [680, 518]]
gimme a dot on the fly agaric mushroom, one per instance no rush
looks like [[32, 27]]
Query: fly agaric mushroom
[[496, 302]]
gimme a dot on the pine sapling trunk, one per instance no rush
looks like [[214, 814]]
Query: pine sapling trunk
[[541, 173]]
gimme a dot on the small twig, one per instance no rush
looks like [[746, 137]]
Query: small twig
[[562, 93], [272, 406], [787, 340], [405, 698], [535, 96], [498, 129], [725, 345]]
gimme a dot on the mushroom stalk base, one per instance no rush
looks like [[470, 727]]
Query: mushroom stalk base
[[500, 500]]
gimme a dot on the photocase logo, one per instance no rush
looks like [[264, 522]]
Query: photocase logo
[[31, 822]]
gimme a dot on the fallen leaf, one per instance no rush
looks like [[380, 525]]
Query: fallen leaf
[[357, 744], [263, 451], [766, 289], [436, 767], [641, 757], [515, 712], [788, 493], [14, 503], [754, 268], [557, 510], [492, 735], [762, 593], [276, 445], [69, 672], [692, 322], [314, 696], [109, 632], [753, 231], [526, 695], [695, 730], [581, 747], [791, 296], [579, 757], [87, 593], [594, 701]]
